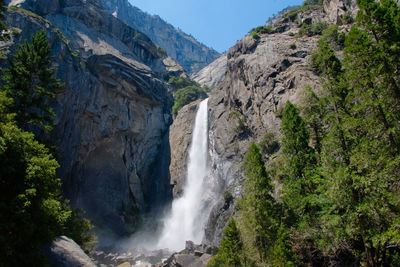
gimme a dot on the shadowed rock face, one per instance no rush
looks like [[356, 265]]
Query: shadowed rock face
[[191, 54], [112, 117]]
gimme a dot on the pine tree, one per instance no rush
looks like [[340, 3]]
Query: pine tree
[[258, 208], [360, 146], [230, 252], [313, 113], [382, 21], [299, 156], [30, 82], [3, 8]]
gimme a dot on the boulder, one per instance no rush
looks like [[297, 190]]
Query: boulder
[[64, 252]]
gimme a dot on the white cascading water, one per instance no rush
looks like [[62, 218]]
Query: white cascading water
[[186, 221]]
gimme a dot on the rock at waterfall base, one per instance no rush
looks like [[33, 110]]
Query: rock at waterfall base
[[64, 252]]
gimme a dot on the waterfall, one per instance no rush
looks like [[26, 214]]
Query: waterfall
[[187, 218]]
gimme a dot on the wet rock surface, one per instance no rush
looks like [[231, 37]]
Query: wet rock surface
[[193, 255]]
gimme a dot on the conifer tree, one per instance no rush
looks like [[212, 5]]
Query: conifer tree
[[258, 207], [230, 252], [3, 8], [299, 156], [313, 113], [30, 82]]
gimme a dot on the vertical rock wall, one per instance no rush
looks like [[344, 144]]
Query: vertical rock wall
[[112, 117]]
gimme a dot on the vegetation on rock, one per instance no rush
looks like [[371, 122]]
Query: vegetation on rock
[[187, 91]]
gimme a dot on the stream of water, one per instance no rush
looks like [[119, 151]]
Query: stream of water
[[186, 221]]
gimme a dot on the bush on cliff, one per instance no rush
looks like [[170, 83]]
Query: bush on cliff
[[187, 95]]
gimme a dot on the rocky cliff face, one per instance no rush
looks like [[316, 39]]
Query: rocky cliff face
[[113, 116], [180, 139], [211, 74], [262, 75], [191, 54]]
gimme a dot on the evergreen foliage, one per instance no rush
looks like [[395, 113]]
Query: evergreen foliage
[[187, 95], [258, 209], [186, 91], [268, 144], [267, 29], [3, 8], [299, 156], [30, 82], [230, 252]]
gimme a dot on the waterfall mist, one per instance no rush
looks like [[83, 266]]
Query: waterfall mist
[[186, 219], [188, 214]]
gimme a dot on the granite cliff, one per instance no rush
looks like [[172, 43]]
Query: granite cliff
[[250, 86], [119, 155], [112, 117], [211, 74], [262, 74], [185, 49]]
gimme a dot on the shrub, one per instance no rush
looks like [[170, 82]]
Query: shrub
[[313, 29], [293, 12], [335, 38], [227, 195], [318, 28], [267, 29], [268, 144], [292, 46], [347, 18], [313, 3], [187, 95], [181, 82], [255, 35], [241, 126], [161, 50]]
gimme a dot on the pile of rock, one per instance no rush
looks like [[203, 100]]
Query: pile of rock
[[192, 256], [131, 258]]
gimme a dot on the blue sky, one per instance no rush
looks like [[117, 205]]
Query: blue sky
[[216, 23]]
